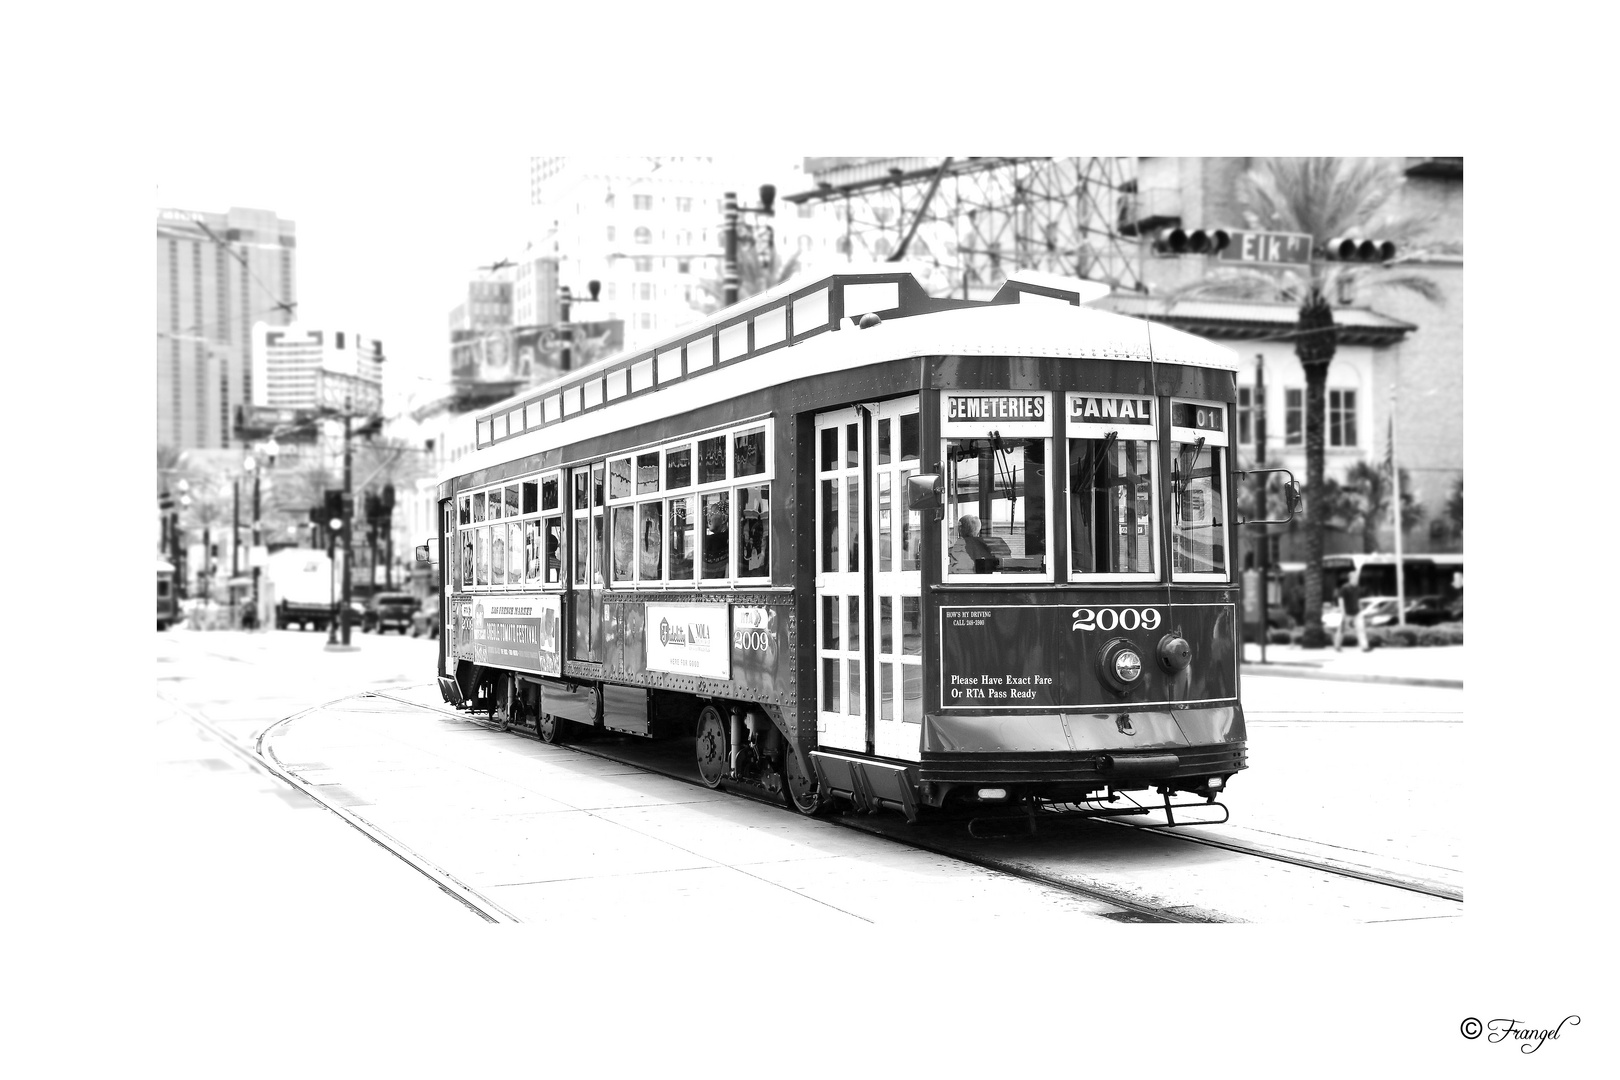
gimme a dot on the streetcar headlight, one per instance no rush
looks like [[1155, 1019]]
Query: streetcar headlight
[[990, 794], [1127, 665], [1215, 783]]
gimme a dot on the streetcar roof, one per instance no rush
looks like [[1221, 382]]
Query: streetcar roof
[[1034, 314]]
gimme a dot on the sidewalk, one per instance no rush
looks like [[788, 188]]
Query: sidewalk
[[1438, 665]]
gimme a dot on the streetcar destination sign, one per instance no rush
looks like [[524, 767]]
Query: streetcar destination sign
[[1002, 407], [1268, 247]]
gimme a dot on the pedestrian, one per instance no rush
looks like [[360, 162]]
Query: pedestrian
[[1349, 598]]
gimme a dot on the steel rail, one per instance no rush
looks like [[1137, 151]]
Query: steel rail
[[262, 759], [1147, 912]]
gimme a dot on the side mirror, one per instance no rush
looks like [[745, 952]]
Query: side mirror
[[923, 491], [422, 554], [1291, 496]]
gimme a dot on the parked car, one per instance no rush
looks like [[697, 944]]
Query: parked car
[[1431, 610], [389, 609]]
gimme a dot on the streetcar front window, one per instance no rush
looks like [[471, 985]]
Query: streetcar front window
[[1198, 491], [995, 510], [1111, 528]]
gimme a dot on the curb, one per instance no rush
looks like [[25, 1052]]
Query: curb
[[1293, 671]]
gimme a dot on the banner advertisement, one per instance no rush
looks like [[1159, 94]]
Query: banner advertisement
[[1045, 657], [689, 639], [520, 632], [529, 355]]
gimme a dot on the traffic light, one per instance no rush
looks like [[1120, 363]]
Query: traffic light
[[1348, 249], [338, 505], [1179, 241]]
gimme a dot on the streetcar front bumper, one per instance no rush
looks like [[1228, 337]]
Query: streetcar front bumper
[[1064, 756]]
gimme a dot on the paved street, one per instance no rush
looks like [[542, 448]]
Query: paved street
[[603, 841], [1342, 772]]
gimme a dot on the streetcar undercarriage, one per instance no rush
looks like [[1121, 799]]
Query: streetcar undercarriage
[[744, 745]]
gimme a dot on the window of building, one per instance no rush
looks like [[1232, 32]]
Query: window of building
[[1293, 417], [643, 235], [611, 233], [643, 264], [683, 204], [1245, 414], [683, 266], [646, 290], [645, 320], [643, 202], [1341, 418]]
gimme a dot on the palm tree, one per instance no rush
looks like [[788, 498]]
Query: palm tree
[[1454, 506], [1370, 485], [1325, 198], [752, 278]]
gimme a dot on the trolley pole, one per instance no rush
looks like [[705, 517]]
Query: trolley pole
[[1260, 497]]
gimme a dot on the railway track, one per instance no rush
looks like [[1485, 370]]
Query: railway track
[[261, 758], [943, 839]]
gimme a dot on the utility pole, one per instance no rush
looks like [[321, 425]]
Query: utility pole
[[1260, 496], [236, 544], [1395, 500], [764, 238], [348, 517]]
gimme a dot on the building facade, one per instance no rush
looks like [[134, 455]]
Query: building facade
[[651, 230], [297, 367], [217, 276], [1398, 369]]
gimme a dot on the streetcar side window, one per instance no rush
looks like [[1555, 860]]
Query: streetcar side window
[[1198, 491], [1112, 467]]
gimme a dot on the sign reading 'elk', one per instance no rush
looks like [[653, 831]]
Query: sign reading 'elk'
[[1268, 247]]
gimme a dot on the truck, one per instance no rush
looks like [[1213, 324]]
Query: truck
[[301, 581]]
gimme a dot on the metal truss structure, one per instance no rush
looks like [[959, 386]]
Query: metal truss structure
[[974, 220]]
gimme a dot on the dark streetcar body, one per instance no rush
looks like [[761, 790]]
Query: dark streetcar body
[[871, 548]]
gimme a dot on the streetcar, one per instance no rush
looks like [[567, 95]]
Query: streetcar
[[869, 549]]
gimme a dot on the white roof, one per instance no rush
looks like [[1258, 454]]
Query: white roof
[[1028, 328]]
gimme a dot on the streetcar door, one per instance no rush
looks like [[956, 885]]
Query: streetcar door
[[587, 638], [840, 613], [449, 560], [897, 582]]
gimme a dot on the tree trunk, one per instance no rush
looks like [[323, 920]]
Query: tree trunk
[[1315, 348]]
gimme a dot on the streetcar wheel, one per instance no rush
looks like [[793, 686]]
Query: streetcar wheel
[[509, 707], [711, 746], [551, 729], [801, 788]]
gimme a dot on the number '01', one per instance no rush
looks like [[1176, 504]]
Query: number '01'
[[1108, 618]]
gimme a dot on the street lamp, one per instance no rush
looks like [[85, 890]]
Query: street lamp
[[566, 300], [765, 237]]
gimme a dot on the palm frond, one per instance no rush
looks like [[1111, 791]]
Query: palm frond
[[1241, 283]]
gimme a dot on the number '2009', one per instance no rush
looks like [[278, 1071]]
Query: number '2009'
[[1115, 618]]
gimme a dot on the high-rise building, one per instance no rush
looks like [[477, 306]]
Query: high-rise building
[[651, 230], [217, 275], [297, 367]]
